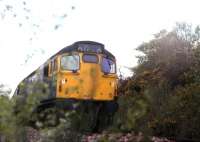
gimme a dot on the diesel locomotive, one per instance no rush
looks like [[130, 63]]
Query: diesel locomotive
[[82, 72]]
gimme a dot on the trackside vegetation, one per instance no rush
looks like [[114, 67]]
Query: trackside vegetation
[[161, 99]]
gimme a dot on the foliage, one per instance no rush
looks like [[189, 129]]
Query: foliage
[[6, 118], [16, 114], [131, 110], [167, 78]]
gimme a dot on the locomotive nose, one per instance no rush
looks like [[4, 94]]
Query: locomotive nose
[[90, 84]]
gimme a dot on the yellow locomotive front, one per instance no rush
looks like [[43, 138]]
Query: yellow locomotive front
[[86, 76], [85, 71]]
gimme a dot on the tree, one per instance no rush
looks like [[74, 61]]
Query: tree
[[168, 74]]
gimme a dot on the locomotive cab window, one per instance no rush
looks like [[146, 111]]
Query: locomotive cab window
[[108, 66], [70, 62], [90, 58]]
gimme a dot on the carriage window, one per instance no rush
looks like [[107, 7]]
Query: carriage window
[[70, 62], [108, 65], [90, 58]]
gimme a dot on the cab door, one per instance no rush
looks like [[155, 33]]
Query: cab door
[[68, 76]]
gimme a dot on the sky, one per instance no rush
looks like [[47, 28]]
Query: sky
[[33, 30]]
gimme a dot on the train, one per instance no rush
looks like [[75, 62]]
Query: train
[[84, 71]]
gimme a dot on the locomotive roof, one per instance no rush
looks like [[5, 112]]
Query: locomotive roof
[[74, 47]]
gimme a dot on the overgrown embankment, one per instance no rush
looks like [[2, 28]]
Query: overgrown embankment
[[161, 99]]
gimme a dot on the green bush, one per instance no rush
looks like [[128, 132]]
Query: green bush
[[162, 97]]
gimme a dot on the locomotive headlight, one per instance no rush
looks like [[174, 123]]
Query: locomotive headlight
[[63, 81]]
